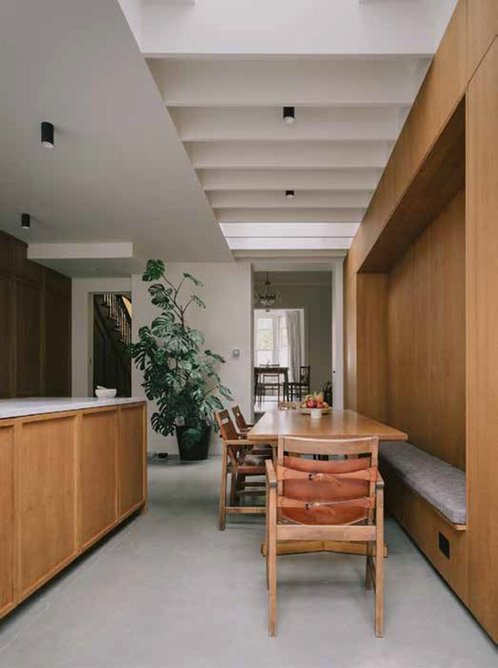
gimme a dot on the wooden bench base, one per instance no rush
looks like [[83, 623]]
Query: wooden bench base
[[425, 526]]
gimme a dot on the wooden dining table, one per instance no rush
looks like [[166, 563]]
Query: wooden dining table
[[339, 423]]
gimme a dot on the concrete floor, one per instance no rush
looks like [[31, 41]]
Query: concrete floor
[[168, 590]]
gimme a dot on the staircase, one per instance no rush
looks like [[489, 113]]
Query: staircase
[[111, 338]]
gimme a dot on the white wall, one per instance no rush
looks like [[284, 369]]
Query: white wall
[[226, 324], [82, 327]]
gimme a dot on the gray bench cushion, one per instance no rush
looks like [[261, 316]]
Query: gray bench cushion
[[441, 484]]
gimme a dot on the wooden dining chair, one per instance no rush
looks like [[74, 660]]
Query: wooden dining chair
[[337, 500], [300, 388], [243, 461], [240, 420]]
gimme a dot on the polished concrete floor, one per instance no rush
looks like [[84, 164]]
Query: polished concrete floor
[[168, 590]]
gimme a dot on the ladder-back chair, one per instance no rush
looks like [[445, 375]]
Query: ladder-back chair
[[240, 420], [243, 461], [341, 499]]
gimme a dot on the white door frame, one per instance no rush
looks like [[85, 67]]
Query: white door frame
[[338, 333]]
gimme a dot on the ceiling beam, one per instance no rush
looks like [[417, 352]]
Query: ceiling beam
[[285, 155], [289, 243], [187, 82], [283, 230], [226, 199], [265, 123], [268, 179], [289, 215]]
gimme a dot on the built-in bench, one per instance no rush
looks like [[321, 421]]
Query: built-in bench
[[435, 481]]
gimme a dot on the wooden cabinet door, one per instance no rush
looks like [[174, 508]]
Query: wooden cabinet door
[[98, 473], [6, 516], [131, 458], [28, 335], [46, 514]]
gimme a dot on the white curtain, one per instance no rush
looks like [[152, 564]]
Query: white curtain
[[293, 324]]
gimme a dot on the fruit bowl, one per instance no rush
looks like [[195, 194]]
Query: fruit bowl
[[315, 412], [314, 405]]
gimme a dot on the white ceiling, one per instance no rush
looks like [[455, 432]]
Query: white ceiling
[[175, 163], [228, 112], [352, 70], [118, 171]]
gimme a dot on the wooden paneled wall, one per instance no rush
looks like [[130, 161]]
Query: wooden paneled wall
[[35, 326], [439, 380], [482, 339], [426, 338]]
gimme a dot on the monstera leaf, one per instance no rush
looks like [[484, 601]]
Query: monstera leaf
[[154, 270], [194, 280]]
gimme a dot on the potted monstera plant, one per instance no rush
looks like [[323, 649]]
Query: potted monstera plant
[[180, 375]]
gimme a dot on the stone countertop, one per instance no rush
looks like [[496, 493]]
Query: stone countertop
[[12, 408]]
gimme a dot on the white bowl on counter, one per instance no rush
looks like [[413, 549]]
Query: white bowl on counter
[[105, 392]]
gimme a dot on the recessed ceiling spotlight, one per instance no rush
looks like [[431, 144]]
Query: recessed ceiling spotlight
[[289, 115], [47, 134], [25, 221], [290, 194]]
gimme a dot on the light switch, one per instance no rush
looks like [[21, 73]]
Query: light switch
[[236, 353]]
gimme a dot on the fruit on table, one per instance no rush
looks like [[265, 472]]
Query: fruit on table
[[314, 401]]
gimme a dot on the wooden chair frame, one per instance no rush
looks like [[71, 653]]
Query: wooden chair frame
[[240, 420], [241, 474], [371, 533]]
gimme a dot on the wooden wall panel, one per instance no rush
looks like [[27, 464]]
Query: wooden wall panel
[[482, 339], [438, 97], [6, 516], [372, 344], [35, 325], [7, 335], [57, 338], [426, 338], [131, 459], [46, 481], [98, 473], [482, 28], [28, 336]]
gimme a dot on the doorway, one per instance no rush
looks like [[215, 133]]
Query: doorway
[[112, 315], [294, 335]]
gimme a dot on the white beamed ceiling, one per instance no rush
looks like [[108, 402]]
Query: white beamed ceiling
[[350, 106], [228, 113]]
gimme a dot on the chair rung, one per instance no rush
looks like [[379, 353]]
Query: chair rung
[[246, 510], [253, 492], [325, 532]]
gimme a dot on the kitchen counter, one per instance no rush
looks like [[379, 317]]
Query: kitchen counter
[[71, 470], [11, 408]]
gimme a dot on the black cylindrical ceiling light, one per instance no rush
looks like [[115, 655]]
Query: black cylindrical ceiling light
[[290, 194], [289, 115], [25, 221], [47, 134]]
